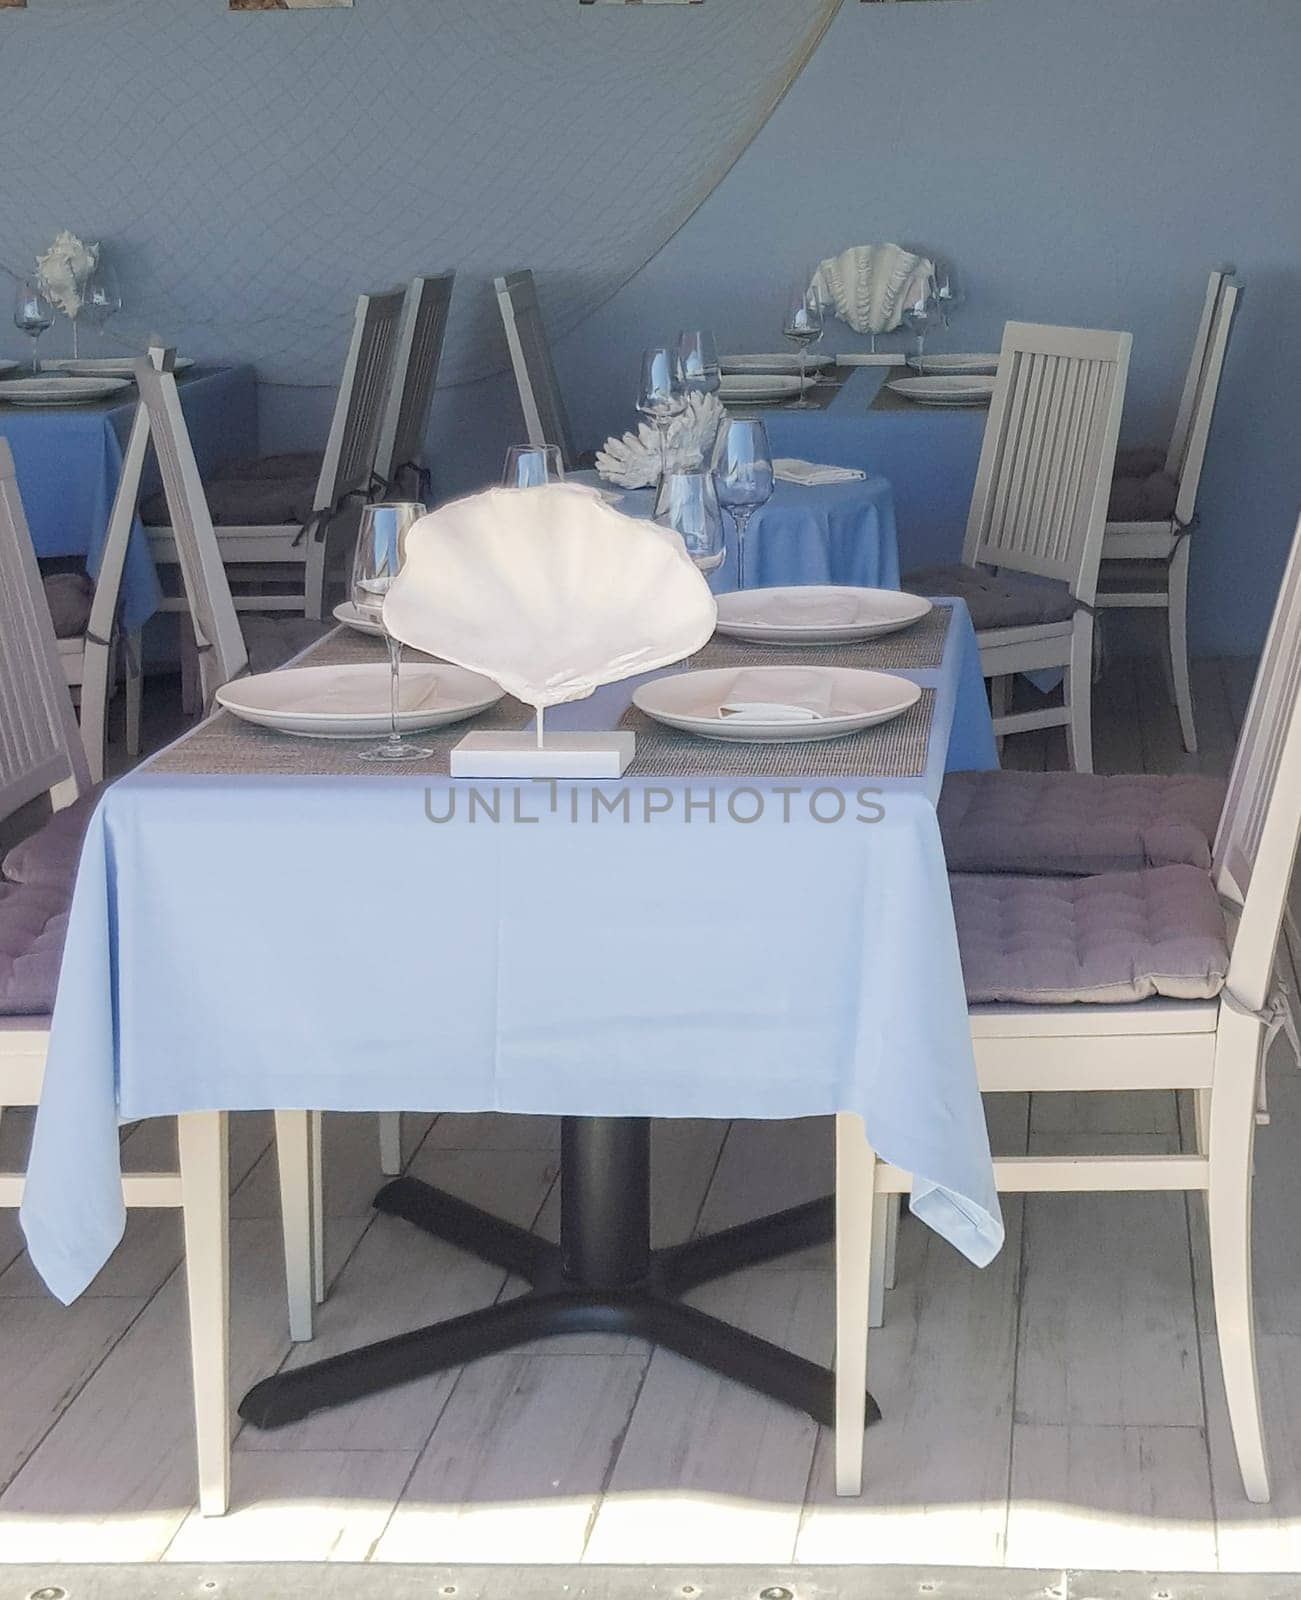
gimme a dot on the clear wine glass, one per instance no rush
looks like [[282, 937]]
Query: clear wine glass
[[661, 395], [103, 295], [919, 312], [33, 313], [381, 550], [688, 503], [530, 465], [948, 291], [803, 327], [743, 476], [698, 353]]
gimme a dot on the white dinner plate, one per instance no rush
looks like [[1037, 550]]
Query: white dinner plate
[[352, 702], [778, 361], [59, 391], [944, 391], [954, 365], [105, 366], [855, 699], [759, 386], [817, 613], [350, 617]]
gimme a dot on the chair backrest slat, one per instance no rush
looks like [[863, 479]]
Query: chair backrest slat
[[1192, 378], [222, 655], [1259, 825], [415, 377], [1040, 500], [545, 418], [363, 391], [40, 748], [1187, 468]]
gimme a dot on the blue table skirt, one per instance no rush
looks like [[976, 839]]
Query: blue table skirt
[[835, 533], [665, 965], [928, 454], [69, 461]]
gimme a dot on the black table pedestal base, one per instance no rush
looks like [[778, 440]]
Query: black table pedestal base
[[602, 1278]]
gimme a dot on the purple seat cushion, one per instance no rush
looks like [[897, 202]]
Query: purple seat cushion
[[1139, 463], [995, 599], [271, 641], [1120, 937], [69, 595], [49, 857], [245, 502], [1077, 824], [1143, 497], [33, 922], [295, 464]]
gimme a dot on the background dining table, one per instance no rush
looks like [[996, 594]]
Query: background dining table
[[69, 460], [822, 533], [928, 453]]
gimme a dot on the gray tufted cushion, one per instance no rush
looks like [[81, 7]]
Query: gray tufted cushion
[[50, 855], [296, 464], [271, 641], [1143, 497], [1124, 936], [995, 600], [1139, 463], [33, 922], [245, 503], [68, 595], [1077, 823]]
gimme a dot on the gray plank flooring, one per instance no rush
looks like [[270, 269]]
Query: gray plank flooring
[[1062, 1408]]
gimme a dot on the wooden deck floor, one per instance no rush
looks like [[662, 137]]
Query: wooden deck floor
[[1062, 1408]]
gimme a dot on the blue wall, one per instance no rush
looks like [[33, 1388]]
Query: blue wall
[[1081, 160]]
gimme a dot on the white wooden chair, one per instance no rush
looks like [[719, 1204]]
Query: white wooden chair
[[1145, 555], [223, 656], [310, 518], [41, 752], [1034, 535], [545, 418], [1213, 1047], [400, 458]]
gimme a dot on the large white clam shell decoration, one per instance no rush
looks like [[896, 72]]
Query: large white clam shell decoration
[[64, 270], [634, 461], [870, 284], [549, 591]]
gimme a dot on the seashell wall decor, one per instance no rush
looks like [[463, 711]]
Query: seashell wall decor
[[869, 285]]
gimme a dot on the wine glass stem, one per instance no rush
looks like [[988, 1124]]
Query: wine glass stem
[[741, 516], [395, 663], [36, 339], [804, 358], [662, 423], [75, 351]]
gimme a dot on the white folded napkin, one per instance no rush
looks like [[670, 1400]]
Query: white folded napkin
[[788, 696], [812, 473]]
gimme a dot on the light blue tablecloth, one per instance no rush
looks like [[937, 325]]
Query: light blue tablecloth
[[245, 942], [836, 533], [928, 454], [69, 461]]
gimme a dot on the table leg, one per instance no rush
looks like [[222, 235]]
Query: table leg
[[603, 1278]]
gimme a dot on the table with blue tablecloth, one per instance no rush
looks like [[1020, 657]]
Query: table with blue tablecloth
[[828, 533], [676, 961], [928, 454], [69, 460]]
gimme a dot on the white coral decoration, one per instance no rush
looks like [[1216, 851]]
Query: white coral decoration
[[869, 285], [633, 462], [64, 270]]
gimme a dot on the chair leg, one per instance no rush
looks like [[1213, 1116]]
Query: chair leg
[[1228, 1204], [390, 1143], [205, 1195], [1177, 625], [855, 1228], [316, 1128], [314, 577], [134, 667], [191, 692], [1078, 693], [1000, 698], [885, 1220], [294, 1162]]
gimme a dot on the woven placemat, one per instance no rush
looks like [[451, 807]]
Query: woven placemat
[[893, 750], [917, 647], [223, 746]]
